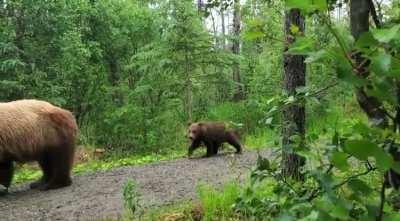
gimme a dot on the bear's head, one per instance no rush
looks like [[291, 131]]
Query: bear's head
[[195, 131]]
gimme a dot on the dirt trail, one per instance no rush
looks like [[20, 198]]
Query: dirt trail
[[99, 194]]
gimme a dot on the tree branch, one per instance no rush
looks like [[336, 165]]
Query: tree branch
[[374, 14], [353, 177], [316, 192]]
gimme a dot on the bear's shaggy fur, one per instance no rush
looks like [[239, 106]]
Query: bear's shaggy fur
[[212, 135], [33, 130]]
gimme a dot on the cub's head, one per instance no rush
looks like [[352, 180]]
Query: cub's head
[[194, 131]]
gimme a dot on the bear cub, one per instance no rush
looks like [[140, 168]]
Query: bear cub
[[212, 135]]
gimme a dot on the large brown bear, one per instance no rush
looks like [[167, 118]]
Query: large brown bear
[[212, 135], [32, 130]]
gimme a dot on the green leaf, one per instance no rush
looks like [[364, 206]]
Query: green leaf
[[268, 121], [335, 207], [396, 166], [361, 128], [383, 160], [302, 45], [286, 217], [335, 139], [253, 35], [263, 163], [307, 5], [381, 63], [361, 149], [316, 56], [314, 215], [326, 181], [339, 211], [344, 69], [359, 187], [383, 91], [300, 4], [339, 160], [392, 217], [296, 139], [395, 68], [366, 39], [294, 29], [386, 35]]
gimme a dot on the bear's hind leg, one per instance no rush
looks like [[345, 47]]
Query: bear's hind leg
[[61, 159], [6, 173], [46, 166], [210, 149], [233, 140], [216, 146]]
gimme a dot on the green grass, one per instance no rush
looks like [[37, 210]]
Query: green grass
[[178, 211], [218, 203], [262, 139]]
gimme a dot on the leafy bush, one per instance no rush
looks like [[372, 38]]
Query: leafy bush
[[131, 197]]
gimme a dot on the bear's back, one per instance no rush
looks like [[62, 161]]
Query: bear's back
[[26, 126]]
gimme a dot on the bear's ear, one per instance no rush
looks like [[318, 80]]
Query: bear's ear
[[200, 124], [189, 123]]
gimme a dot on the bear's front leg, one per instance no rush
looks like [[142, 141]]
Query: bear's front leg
[[193, 146]]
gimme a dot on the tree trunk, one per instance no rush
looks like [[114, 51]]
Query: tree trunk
[[238, 93], [200, 6], [19, 31], [114, 78], [359, 23], [113, 71], [215, 31], [189, 90], [293, 121], [223, 32]]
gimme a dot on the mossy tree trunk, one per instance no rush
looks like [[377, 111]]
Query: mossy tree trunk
[[293, 120]]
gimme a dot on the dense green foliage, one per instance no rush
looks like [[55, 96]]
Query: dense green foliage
[[123, 67], [346, 175], [135, 72]]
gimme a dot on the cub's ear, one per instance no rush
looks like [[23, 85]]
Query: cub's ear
[[200, 124], [189, 123]]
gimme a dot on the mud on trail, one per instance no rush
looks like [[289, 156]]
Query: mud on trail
[[99, 194]]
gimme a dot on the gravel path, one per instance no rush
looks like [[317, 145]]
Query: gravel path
[[99, 194]]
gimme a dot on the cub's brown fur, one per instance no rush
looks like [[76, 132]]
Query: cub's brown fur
[[33, 130], [212, 134]]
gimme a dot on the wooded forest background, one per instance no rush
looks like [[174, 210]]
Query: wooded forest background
[[135, 72], [318, 79]]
